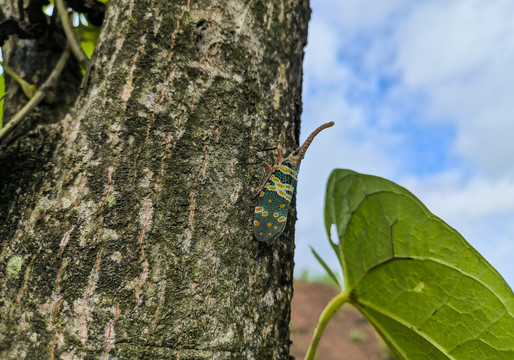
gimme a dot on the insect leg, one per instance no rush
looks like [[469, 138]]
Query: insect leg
[[279, 156], [271, 170], [267, 149]]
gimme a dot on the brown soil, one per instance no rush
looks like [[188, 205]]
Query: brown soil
[[348, 336]]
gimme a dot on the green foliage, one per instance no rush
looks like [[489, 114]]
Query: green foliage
[[87, 36], [28, 89], [305, 275], [330, 273], [427, 292], [2, 94], [357, 335], [87, 33], [88, 48]]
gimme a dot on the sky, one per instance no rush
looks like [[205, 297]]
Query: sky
[[422, 93]]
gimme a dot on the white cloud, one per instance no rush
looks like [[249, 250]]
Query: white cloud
[[477, 199], [359, 14], [447, 62], [451, 41], [321, 66], [460, 53]]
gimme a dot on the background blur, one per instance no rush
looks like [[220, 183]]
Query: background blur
[[422, 93]]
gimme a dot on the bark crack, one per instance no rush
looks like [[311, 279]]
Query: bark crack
[[175, 32]]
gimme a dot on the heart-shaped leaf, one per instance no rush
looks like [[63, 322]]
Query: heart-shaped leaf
[[427, 292]]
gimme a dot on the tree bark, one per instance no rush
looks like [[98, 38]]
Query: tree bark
[[125, 225]]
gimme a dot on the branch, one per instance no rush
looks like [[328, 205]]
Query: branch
[[325, 317], [38, 97], [76, 49]]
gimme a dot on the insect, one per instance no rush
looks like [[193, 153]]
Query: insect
[[274, 196]]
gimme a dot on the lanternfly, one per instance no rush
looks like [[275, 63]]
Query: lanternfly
[[274, 197]]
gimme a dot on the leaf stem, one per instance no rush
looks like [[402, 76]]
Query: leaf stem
[[12, 74], [324, 318], [70, 34], [37, 98], [28, 89]]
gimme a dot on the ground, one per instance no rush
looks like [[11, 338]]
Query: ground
[[347, 337]]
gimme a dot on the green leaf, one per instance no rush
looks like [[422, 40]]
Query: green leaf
[[427, 292], [327, 268], [2, 94], [88, 48], [87, 33]]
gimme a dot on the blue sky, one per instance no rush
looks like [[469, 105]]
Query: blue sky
[[422, 94]]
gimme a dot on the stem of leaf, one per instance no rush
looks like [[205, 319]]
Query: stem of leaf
[[37, 98], [28, 89], [70, 35], [325, 317], [12, 74]]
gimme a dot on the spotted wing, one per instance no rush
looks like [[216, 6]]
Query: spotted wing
[[273, 203]]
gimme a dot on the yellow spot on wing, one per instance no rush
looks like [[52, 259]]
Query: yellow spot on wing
[[284, 195], [256, 223], [259, 209], [265, 213], [275, 214], [275, 227], [261, 194], [282, 206], [287, 171], [269, 201], [269, 224], [282, 219]]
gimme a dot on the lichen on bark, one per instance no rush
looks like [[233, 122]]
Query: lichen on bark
[[135, 242]]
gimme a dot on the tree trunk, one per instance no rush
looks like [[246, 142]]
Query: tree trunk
[[125, 225]]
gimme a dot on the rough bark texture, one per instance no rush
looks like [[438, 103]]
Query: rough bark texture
[[125, 227]]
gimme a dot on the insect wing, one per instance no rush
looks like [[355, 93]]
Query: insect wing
[[273, 204]]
